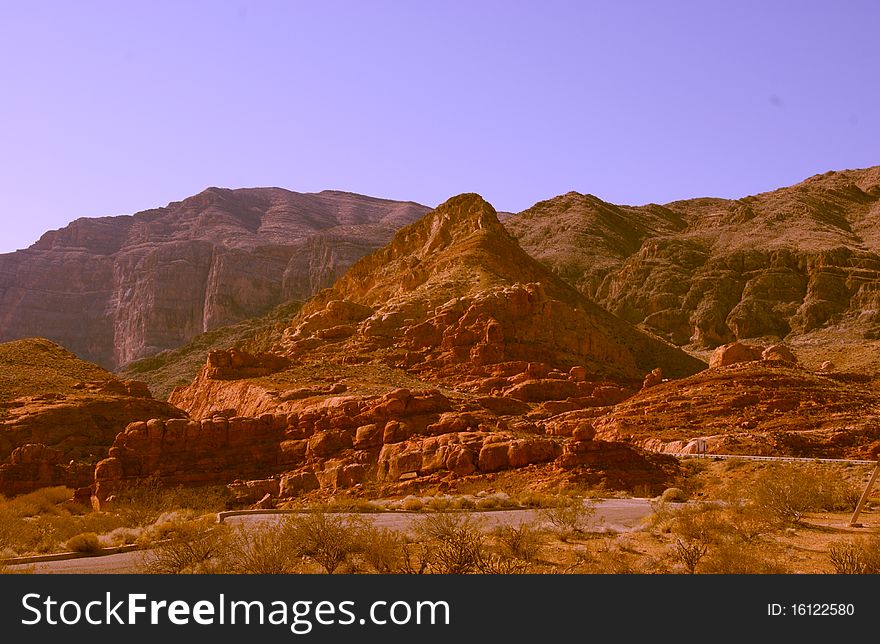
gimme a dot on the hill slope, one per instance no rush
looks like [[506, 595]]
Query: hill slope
[[703, 272]]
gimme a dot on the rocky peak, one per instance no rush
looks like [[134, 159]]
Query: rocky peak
[[455, 287]]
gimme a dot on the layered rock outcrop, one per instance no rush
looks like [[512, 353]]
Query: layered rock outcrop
[[351, 442], [34, 465], [122, 288], [757, 407], [707, 272], [53, 426]]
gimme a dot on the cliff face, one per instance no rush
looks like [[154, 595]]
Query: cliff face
[[705, 272], [115, 289]]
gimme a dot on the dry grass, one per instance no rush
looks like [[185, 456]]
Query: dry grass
[[36, 366]]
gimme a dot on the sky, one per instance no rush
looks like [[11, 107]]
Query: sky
[[114, 107]]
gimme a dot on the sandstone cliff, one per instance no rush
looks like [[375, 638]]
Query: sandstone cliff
[[122, 288]]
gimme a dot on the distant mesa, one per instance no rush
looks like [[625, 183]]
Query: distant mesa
[[115, 289]]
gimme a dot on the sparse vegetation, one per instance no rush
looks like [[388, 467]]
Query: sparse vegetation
[[84, 542], [523, 542], [570, 516], [193, 547], [35, 366], [856, 557], [788, 491]]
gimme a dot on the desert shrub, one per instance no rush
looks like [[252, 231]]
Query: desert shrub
[[84, 542], [15, 532], [441, 526], [698, 521], [43, 501], [439, 503], [383, 550], [144, 501], [49, 532], [464, 503], [190, 551], [570, 516], [261, 550], [326, 539], [538, 500], [857, 557], [614, 559], [458, 552], [521, 542], [412, 504], [359, 506], [789, 491], [487, 503], [689, 553], [673, 495], [454, 545], [122, 536], [748, 521], [171, 525], [738, 558]]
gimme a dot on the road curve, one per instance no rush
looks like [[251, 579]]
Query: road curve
[[620, 515]]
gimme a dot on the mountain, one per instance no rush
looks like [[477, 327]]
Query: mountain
[[445, 354], [116, 289], [455, 285], [800, 263]]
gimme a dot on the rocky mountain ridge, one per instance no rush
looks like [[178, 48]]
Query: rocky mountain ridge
[[704, 272]]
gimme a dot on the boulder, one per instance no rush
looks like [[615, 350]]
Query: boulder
[[780, 353], [734, 353]]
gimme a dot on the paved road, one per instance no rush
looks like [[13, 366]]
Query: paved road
[[787, 459], [621, 515]]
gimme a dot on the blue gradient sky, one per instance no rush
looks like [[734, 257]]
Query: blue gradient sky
[[114, 107]]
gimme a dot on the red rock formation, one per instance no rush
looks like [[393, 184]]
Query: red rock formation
[[733, 353], [33, 466], [758, 407], [455, 288], [234, 364], [386, 439]]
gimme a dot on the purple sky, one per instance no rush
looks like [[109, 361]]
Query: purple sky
[[114, 107]]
